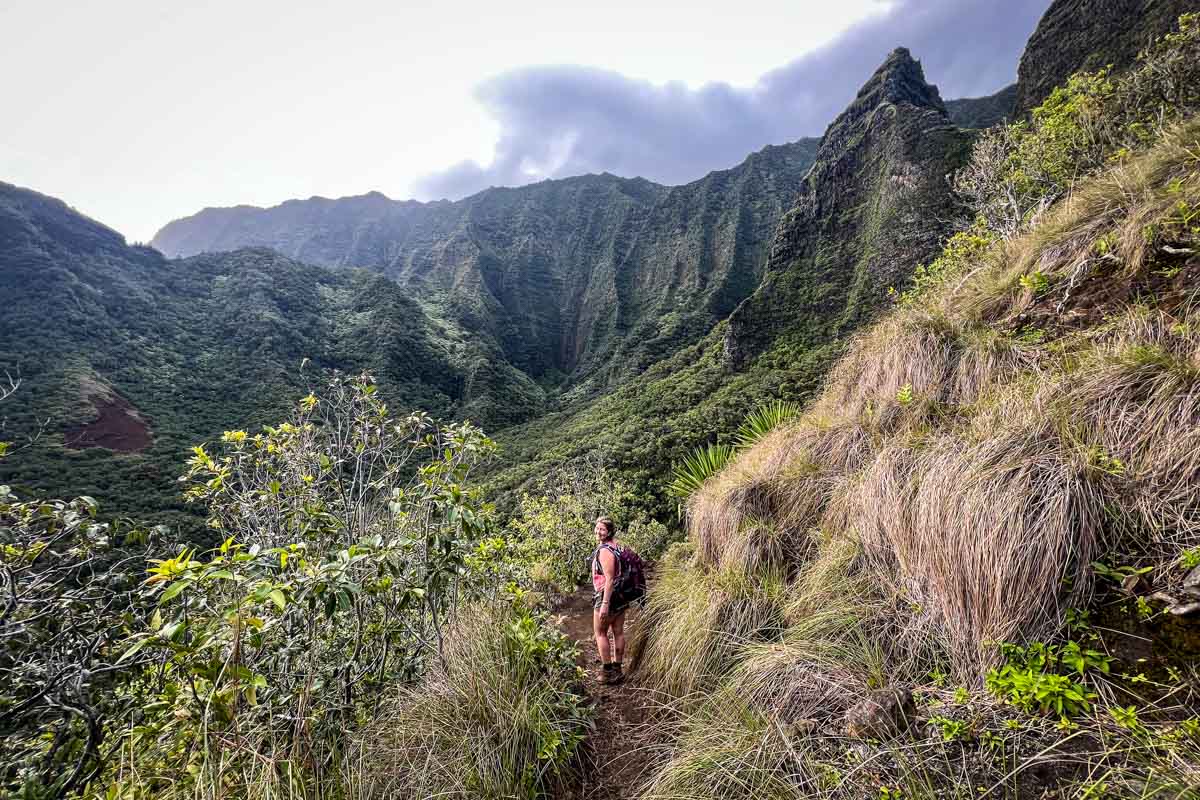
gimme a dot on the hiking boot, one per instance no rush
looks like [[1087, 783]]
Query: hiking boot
[[611, 675]]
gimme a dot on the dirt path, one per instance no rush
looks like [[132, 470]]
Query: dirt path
[[615, 756]]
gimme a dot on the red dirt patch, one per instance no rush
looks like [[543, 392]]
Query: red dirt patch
[[118, 427]]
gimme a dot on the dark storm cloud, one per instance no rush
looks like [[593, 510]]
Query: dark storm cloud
[[567, 120]]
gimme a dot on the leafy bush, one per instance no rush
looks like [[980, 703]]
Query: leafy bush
[[649, 537], [69, 583], [348, 533], [1046, 678], [551, 535], [962, 252]]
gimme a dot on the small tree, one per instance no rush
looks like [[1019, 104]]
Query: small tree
[[347, 532]]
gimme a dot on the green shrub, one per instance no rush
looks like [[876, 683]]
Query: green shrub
[[551, 535], [348, 532], [1047, 678], [763, 420], [1017, 170], [697, 467]]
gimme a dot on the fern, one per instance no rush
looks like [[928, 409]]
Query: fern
[[763, 420]]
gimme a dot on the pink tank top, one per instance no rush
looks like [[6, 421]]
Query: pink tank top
[[598, 571]]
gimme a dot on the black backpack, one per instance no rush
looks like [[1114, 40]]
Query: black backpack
[[631, 577]]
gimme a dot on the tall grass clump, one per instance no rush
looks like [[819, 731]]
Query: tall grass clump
[[503, 716], [696, 624], [727, 751], [773, 494]]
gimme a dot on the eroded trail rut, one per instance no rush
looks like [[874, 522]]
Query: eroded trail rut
[[616, 756]]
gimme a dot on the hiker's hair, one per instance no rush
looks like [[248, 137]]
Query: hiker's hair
[[609, 528]]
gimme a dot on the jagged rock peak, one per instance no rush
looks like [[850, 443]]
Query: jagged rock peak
[[899, 79]]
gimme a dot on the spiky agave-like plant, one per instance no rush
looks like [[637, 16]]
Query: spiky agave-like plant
[[764, 419], [696, 468]]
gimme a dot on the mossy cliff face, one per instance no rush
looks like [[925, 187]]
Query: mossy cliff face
[[875, 203], [983, 112], [580, 282], [1086, 35]]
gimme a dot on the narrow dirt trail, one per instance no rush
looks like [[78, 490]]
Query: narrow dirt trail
[[615, 758]]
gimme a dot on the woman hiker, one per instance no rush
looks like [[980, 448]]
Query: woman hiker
[[608, 616]]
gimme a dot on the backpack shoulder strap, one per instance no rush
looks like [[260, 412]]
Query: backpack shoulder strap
[[616, 555]]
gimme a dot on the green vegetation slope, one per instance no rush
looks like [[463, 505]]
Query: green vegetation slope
[[580, 282], [128, 359]]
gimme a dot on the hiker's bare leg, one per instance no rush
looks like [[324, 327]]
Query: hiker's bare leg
[[603, 646], [617, 627]]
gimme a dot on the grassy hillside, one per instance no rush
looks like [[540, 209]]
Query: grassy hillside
[[971, 566]]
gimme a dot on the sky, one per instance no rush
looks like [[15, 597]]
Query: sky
[[137, 112]]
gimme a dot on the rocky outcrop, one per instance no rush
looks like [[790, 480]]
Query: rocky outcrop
[[875, 205], [882, 715], [983, 112], [1076, 35]]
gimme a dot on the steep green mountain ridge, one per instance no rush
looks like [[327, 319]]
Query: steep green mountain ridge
[[580, 282], [874, 205], [120, 347]]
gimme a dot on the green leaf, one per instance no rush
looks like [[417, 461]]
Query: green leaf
[[131, 652], [174, 589], [278, 598]]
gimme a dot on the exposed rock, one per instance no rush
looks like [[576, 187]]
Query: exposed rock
[[1174, 606], [1135, 584], [874, 206], [1075, 35], [1183, 609], [1192, 580], [983, 112], [884, 714], [799, 729]]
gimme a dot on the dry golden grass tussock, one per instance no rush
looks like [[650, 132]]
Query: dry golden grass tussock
[[1135, 404], [728, 750], [909, 351], [987, 541], [696, 624], [915, 366], [756, 513], [475, 726], [1116, 223], [827, 660]]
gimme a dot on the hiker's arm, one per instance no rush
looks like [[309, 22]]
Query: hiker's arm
[[608, 563]]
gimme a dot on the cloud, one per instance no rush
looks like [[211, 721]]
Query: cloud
[[557, 121]]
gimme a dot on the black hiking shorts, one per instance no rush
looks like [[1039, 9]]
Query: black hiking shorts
[[615, 606]]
